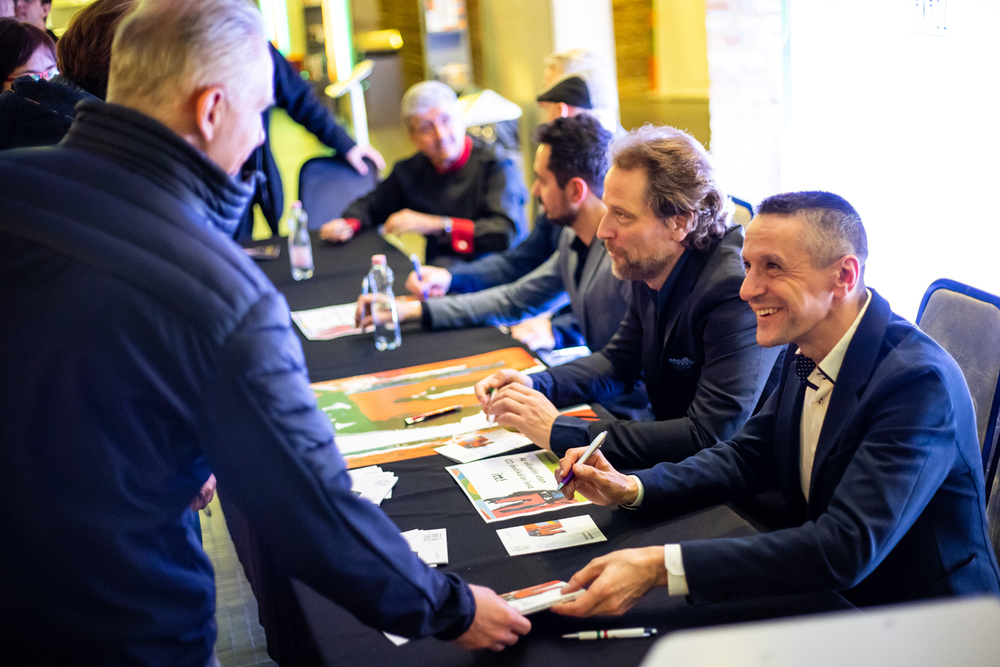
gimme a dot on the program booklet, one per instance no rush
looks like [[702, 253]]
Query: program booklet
[[534, 538], [512, 486]]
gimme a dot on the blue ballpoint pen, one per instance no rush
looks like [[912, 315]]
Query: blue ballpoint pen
[[594, 446], [415, 261]]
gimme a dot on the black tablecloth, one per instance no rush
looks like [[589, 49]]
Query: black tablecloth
[[304, 628]]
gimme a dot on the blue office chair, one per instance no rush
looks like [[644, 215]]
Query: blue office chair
[[744, 211], [328, 185], [965, 321]]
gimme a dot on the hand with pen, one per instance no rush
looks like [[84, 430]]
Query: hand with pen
[[617, 581], [508, 399], [595, 479], [430, 281]]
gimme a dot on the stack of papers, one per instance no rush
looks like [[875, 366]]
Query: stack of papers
[[328, 322], [550, 535], [430, 545], [372, 483]]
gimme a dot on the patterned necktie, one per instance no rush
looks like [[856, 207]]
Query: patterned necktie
[[803, 369]]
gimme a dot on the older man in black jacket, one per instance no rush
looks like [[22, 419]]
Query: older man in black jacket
[[144, 348]]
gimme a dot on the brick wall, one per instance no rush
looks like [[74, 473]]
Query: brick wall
[[745, 68]]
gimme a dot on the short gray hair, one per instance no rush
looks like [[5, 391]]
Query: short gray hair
[[833, 230], [168, 48], [427, 95]]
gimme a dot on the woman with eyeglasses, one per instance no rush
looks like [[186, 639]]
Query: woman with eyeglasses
[[25, 51], [39, 113], [33, 110]]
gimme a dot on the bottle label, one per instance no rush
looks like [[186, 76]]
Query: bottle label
[[301, 257]]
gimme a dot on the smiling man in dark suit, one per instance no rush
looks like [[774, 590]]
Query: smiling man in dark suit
[[686, 334], [870, 436]]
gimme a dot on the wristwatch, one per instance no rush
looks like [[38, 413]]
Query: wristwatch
[[446, 223]]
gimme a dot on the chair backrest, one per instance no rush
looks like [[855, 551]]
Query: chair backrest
[[328, 185], [965, 321], [743, 213]]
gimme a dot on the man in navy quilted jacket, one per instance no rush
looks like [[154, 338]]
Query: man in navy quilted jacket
[[142, 349]]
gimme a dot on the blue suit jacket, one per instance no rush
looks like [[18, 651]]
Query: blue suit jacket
[[896, 504]]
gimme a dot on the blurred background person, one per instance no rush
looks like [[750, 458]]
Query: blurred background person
[[39, 111], [297, 98], [464, 196], [84, 52], [25, 51], [34, 12]]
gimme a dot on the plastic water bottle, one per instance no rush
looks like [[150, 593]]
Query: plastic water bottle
[[300, 250], [379, 283]]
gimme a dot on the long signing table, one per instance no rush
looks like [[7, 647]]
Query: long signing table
[[304, 628]]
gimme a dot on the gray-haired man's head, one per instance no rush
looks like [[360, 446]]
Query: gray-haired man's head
[[433, 117], [201, 67]]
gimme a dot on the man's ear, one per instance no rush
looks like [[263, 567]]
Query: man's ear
[[46, 8], [679, 225], [576, 190], [563, 110], [848, 275], [209, 112]]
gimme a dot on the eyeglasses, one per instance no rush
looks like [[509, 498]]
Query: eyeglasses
[[25, 2], [35, 76]]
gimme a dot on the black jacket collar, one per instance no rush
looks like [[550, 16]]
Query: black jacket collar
[[153, 150]]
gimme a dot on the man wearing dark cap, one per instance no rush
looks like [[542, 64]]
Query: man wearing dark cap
[[578, 82]]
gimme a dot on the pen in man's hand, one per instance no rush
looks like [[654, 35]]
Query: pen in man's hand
[[489, 406], [415, 261], [594, 446]]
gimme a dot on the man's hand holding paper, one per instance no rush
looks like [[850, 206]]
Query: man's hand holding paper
[[616, 582]]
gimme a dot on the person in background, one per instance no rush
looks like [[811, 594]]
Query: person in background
[[39, 113], [569, 168], [870, 437], [35, 12], [686, 335], [462, 195], [562, 330], [85, 48], [25, 51], [578, 81], [149, 349], [297, 98]]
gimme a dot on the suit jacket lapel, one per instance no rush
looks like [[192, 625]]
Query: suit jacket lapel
[[855, 373]]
